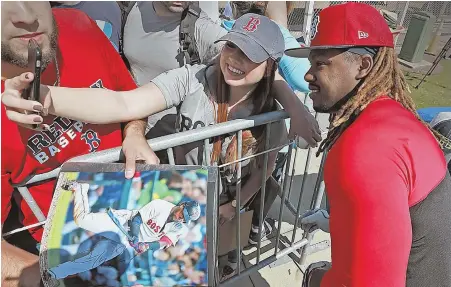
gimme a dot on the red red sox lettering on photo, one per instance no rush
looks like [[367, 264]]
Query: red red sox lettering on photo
[[153, 225]]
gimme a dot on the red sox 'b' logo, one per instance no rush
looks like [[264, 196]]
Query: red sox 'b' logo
[[91, 138], [251, 26]]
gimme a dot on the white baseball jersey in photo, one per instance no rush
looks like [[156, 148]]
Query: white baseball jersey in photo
[[154, 216]]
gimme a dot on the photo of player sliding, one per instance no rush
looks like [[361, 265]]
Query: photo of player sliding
[[158, 225]]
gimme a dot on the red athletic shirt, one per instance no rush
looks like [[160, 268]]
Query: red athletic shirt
[[86, 59], [384, 163]]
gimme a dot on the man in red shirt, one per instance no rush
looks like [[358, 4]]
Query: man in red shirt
[[390, 211], [75, 54]]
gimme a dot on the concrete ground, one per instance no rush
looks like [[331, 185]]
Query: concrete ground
[[286, 272]]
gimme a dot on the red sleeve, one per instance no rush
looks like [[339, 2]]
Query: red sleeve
[[370, 224], [7, 189], [7, 192]]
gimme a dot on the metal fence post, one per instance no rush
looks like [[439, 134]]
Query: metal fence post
[[315, 203], [401, 21], [25, 193], [238, 199], [308, 21]]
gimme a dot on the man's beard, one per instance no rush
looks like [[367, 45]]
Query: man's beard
[[10, 56], [340, 103]]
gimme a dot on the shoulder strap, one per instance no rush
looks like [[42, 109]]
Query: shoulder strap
[[125, 11], [188, 50]]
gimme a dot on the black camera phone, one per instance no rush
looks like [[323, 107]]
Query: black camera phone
[[35, 60]]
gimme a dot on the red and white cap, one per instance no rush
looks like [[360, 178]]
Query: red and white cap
[[347, 25]]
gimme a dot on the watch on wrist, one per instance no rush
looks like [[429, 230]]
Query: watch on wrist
[[234, 203]]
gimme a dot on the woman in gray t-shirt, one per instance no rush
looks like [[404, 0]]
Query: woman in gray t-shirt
[[237, 85]]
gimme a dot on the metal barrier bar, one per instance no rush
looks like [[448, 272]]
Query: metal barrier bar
[[238, 199], [315, 203], [290, 206], [31, 203], [263, 189], [171, 156], [292, 173], [23, 229], [309, 237], [172, 140], [304, 178], [265, 263], [288, 163], [257, 154], [216, 224], [206, 159]]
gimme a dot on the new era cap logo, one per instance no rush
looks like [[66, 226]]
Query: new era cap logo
[[363, 35], [251, 26]]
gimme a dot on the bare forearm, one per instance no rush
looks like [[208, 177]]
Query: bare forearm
[[277, 11], [18, 264], [102, 106]]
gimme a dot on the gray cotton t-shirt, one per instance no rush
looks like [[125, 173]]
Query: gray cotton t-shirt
[[151, 42], [186, 87]]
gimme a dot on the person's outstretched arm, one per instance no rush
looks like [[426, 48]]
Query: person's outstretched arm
[[102, 106], [98, 106]]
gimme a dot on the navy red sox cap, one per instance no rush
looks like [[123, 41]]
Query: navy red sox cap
[[191, 211], [257, 36], [349, 25]]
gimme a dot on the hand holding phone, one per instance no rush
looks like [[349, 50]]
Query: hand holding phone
[[35, 60]]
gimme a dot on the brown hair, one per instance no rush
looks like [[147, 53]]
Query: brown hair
[[244, 7], [263, 102], [384, 79]]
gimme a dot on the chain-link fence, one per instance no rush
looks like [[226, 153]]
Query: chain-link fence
[[297, 18]]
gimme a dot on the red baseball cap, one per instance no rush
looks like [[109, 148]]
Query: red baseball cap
[[347, 25]]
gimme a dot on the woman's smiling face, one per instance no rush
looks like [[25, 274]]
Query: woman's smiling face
[[237, 69]]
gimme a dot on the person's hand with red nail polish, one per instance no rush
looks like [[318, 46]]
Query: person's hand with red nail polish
[[23, 111]]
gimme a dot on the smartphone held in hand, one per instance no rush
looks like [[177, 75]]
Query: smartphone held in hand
[[35, 60]]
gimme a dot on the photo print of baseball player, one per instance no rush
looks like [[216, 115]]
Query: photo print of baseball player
[[158, 225]]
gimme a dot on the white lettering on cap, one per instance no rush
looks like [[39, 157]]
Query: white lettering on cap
[[314, 28], [362, 35]]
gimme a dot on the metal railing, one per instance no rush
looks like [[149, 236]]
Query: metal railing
[[204, 134]]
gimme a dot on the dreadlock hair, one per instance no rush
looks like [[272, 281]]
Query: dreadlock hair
[[263, 101], [384, 79]]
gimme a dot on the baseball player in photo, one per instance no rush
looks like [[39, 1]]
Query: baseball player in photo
[[157, 225]]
